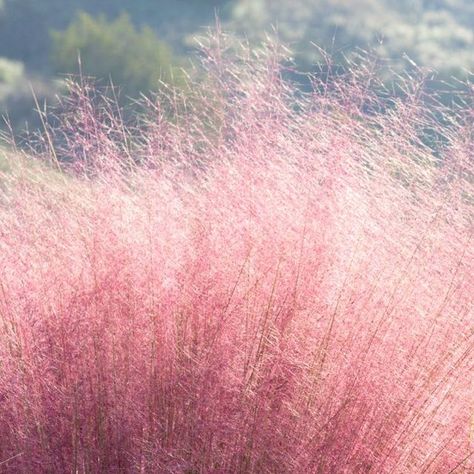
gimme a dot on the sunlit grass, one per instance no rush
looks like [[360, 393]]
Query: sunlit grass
[[292, 292]]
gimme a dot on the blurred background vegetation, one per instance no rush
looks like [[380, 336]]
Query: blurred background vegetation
[[141, 44]]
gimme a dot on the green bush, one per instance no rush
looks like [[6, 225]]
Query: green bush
[[135, 60]]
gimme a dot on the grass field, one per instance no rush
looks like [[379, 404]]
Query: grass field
[[260, 282]]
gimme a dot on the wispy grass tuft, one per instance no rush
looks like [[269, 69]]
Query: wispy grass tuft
[[252, 280]]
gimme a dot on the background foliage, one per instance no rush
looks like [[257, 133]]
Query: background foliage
[[428, 32], [434, 34], [133, 58]]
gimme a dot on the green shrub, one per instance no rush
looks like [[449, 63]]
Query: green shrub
[[135, 60]]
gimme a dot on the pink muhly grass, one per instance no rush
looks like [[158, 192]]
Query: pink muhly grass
[[253, 280]]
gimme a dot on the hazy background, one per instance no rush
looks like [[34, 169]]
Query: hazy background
[[138, 42]]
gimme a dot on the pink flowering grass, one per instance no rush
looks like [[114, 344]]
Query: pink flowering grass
[[254, 280]]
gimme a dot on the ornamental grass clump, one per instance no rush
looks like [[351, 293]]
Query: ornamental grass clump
[[252, 279]]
